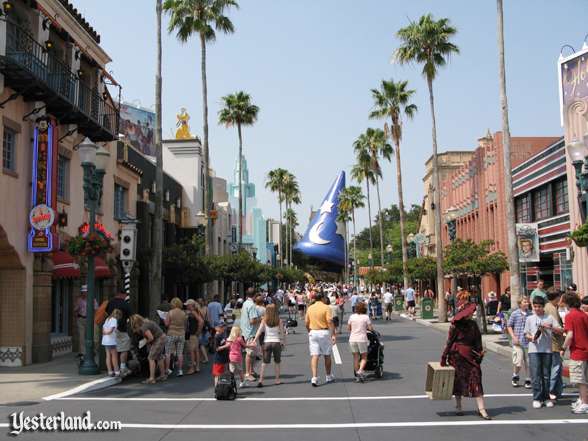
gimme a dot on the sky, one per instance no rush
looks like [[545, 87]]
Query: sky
[[310, 65]]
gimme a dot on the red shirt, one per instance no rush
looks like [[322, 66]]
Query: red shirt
[[577, 322]]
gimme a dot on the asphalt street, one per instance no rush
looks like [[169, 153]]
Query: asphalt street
[[391, 408]]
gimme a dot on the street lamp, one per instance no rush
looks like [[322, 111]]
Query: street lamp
[[450, 219], [94, 161], [579, 155]]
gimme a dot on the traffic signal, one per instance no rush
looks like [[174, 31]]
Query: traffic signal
[[127, 242]]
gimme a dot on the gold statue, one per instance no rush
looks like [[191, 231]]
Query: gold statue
[[183, 131]]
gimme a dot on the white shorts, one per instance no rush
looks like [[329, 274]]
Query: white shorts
[[520, 356], [319, 342]]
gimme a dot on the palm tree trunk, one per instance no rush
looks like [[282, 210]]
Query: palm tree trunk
[[371, 261], [346, 272], [401, 208], [513, 252], [354, 252], [155, 288], [380, 222], [437, 211], [240, 187], [280, 238], [206, 204], [290, 223]]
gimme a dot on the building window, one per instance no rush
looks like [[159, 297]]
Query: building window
[[9, 150], [541, 203], [561, 196], [120, 199], [523, 209], [63, 178]]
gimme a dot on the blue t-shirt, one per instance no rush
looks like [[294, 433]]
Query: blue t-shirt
[[409, 293], [215, 312], [248, 312], [354, 299]]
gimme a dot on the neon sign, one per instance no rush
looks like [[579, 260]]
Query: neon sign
[[41, 236]]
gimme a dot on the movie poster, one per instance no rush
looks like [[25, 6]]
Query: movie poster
[[528, 242], [137, 124]]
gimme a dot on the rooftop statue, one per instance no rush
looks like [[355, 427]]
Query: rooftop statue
[[183, 131]]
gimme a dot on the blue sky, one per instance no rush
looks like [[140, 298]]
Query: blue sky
[[310, 64]]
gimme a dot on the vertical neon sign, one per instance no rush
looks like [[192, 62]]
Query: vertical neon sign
[[40, 238]]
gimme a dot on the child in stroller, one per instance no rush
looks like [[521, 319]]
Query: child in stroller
[[375, 354]]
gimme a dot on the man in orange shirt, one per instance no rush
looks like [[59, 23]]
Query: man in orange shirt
[[321, 337]]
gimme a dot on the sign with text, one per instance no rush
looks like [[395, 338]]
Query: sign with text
[[43, 195], [573, 76]]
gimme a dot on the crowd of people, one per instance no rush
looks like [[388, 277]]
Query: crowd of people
[[253, 329]]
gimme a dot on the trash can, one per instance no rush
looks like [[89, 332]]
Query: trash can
[[427, 308], [398, 303]]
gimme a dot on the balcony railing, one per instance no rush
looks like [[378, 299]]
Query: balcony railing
[[39, 75]]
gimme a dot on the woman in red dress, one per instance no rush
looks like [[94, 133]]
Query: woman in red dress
[[464, 352]]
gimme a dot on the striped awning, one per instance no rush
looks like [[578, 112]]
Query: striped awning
[[64, 266]]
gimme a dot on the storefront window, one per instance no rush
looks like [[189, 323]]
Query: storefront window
[[561, 196], [541, 203], [61, 293], [523, 209]]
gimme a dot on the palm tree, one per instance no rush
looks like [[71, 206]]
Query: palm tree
[[378, 146], [238, 111], [428, 42], [513, 252], [292, 223], [156, 257], [275, 183], [392, 100], [363, 171], [291, 195], [204, 18], [344, 216], [350, 199]]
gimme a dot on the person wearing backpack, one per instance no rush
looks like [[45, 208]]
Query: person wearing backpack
[[109, 342]]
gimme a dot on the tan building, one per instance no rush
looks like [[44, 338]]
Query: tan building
[[574, 118], [448, 162], [53, 94]]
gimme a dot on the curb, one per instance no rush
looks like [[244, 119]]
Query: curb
[[489, 345], [91, 386]]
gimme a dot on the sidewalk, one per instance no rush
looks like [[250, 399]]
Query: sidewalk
[[30, 384], [498, 343]]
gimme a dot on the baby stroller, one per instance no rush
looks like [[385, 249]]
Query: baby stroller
[[375, 354], [291, 324]]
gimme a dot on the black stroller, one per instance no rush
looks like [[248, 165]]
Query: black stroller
[[375, 354]]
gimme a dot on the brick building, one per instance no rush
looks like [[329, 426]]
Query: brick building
[[476, 190]]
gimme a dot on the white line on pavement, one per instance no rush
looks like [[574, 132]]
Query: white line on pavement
[[385, 397], [100, 383], [407, 424]]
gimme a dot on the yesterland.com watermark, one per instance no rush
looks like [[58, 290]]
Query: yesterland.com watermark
[[19, 423]]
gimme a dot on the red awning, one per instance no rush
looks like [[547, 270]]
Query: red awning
[[64, 266], [102, 271]]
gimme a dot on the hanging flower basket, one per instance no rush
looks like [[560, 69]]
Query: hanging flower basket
[[580, 235], [91, 244]]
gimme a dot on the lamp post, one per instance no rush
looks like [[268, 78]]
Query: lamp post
[[451, 220], [389, 251], [94, 161], [578, 152]]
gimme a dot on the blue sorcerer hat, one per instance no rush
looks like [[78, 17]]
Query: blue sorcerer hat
[[325, 237]]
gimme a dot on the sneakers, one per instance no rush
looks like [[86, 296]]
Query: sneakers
[[360, 377], [576, 403], [242, 384], [528, 384], [314, 381], [515, 381], [549, 403], [581, 409], [180, 373], [537, 404], [331, 378], [169, 372], [552, 397]]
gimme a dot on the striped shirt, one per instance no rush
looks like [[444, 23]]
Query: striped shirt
[[517, 321]]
